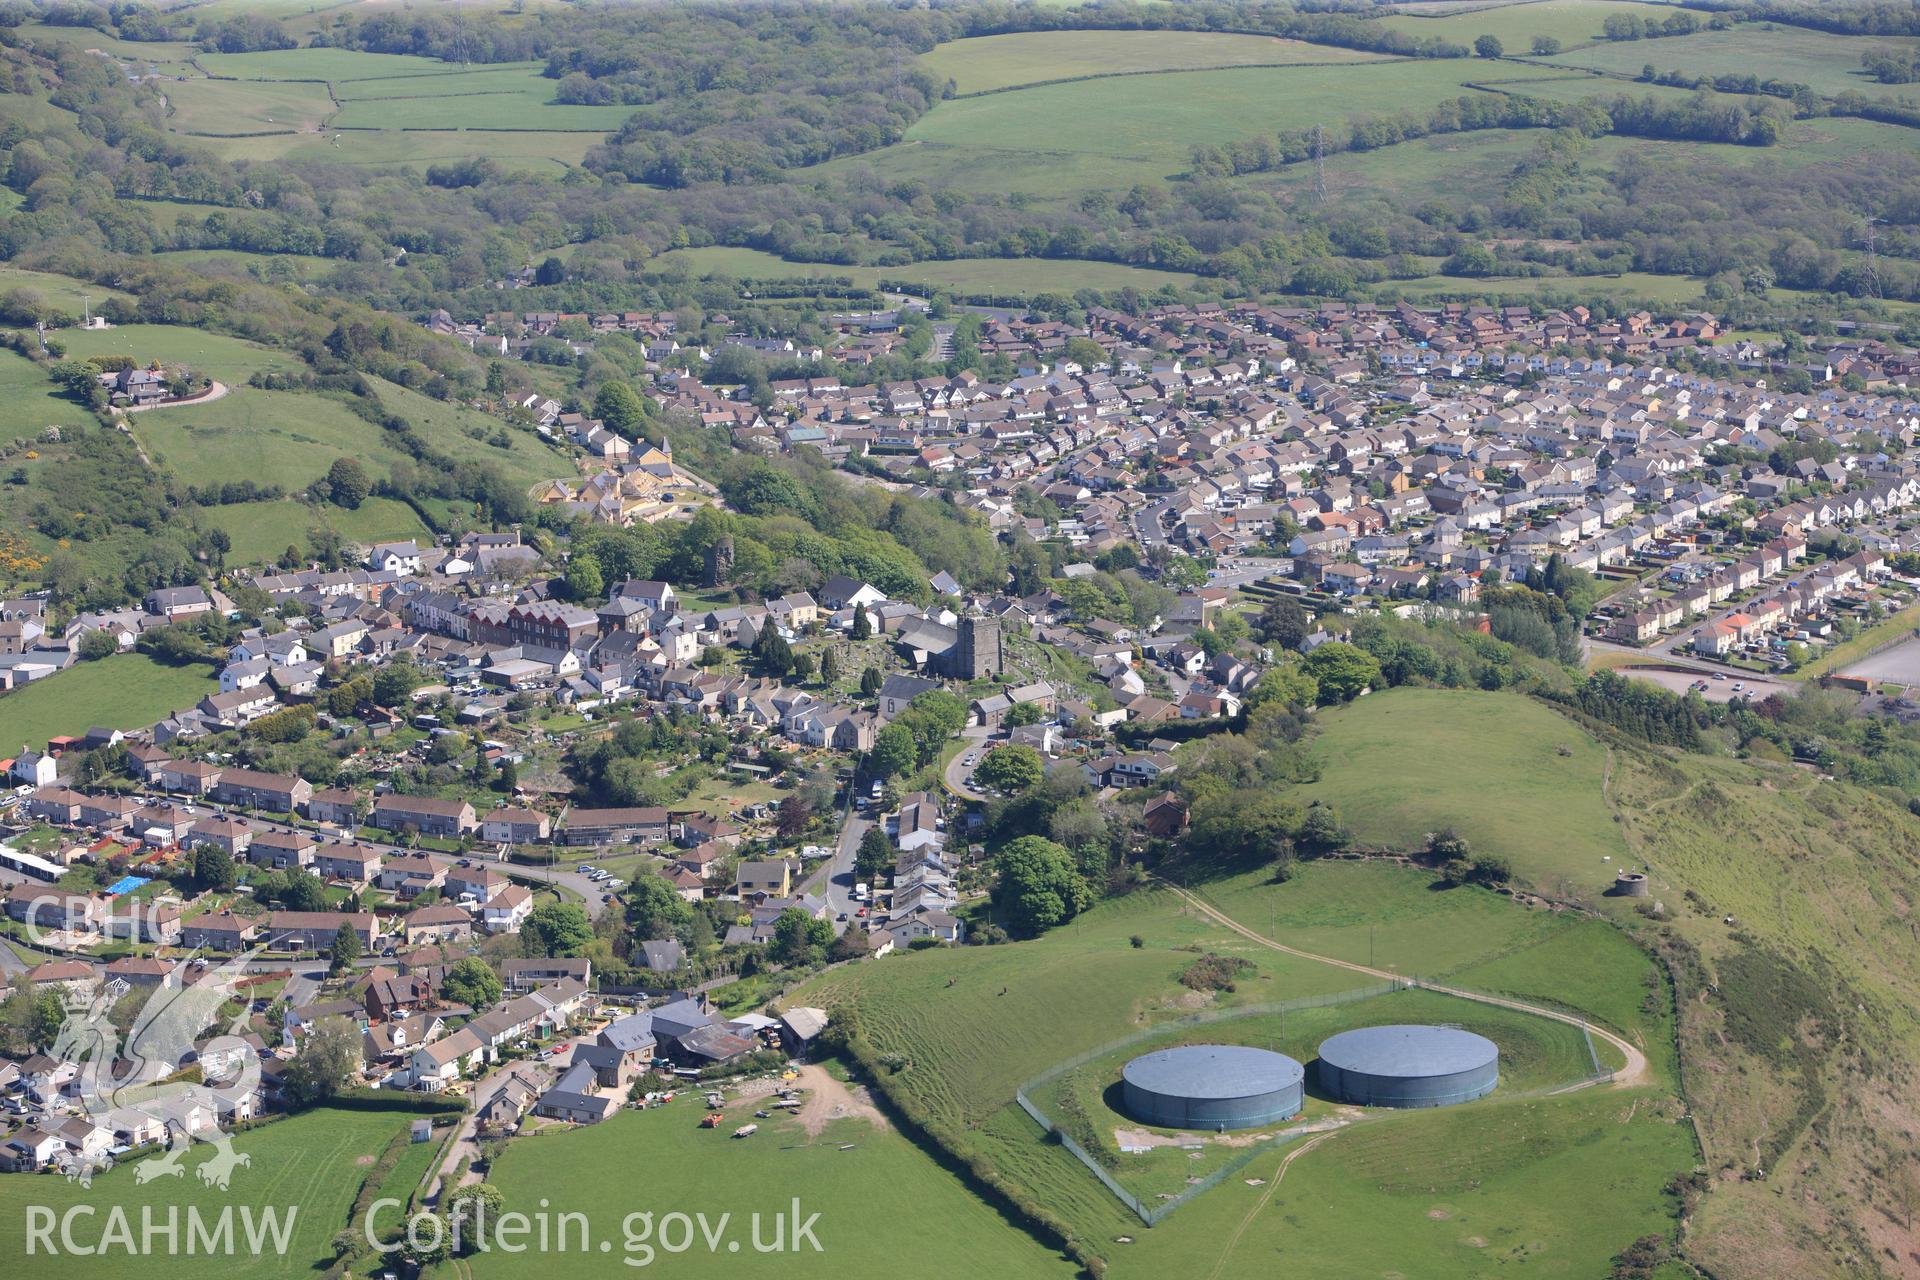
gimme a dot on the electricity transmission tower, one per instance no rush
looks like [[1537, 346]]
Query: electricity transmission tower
[[1870, 239], [1319, 167]]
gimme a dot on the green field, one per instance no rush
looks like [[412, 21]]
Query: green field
[[262, 530], [125, 692], [1111, 132], [862, 1181], [525, 150], [28, 402], [225, 108], [311, 1164], [230, 360], [985, 63], [325, 64], [389, 109], [1666, 290], [1543, 1187], [1572, 22], [963, 275], [291, 438], [1828, 64], [1486, 160], [468, 433], [969, 1025], [1078, 988], [170, 56], [523, 110], [1508, 774], [283, 438], [63, 292]]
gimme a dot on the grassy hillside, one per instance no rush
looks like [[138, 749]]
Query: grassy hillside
[[1572, 22], [28, 402], [962, 275], [1547, 1187], [966, 1026], [262, 530], [231, 360], [986, 63], [1509, 774], [1109, 132], [1828, 64], [1781, 902]]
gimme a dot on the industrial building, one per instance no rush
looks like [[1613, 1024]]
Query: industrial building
[[1212, 1086], [1408, 1066]]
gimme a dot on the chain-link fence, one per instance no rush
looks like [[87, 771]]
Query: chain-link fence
[[1151, 1214], [1155, 1213]]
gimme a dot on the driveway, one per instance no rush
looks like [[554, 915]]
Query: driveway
[[464, 1148]]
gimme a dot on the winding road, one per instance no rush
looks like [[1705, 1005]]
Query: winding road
[[1636, 1071]]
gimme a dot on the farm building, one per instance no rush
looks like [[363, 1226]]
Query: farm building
[[1409, 1066], [1212, 1086]]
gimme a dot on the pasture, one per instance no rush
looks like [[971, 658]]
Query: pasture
[[389, 109], [1556, 1186], [854, 1175], [519, 149], [1110, 132], [64, 292], [308, 1167], [1572, 22], [983, 64], [28, 402], [262, 530], [128, 691], [230, 360], [168, 57], [226, 108], [1396, 765], [961, 275], [1826, 63], [471, 435], [282, 438]]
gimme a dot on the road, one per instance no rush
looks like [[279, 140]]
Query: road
[[837, 883], [1634, 1073], [957, 771], [1146, 524]]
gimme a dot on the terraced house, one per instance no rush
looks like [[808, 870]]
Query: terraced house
[[429, 815]]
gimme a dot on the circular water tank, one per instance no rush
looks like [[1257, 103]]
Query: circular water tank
[[1212, 1086], [1408, 1066]]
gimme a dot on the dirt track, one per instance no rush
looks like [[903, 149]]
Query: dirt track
[[1634, 1073]]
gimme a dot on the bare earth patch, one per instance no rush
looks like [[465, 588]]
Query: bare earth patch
[[828, 1100]]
